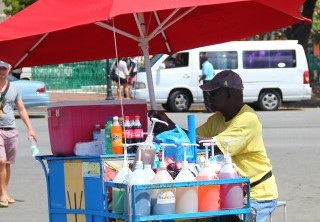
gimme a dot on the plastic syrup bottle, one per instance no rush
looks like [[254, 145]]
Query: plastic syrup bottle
[[231, 194], [34, 147], [142, 197], [121, 177], [108, 138], [216, 161], [96, 132], [148, 151], [128, 134], [116, 136], [137, 130], [186, 197], [208, 196], [148, 170], [163, 200]]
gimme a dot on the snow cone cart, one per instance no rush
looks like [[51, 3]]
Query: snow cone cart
[[99, 188]]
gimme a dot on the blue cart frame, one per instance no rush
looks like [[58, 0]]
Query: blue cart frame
[[95, 193]]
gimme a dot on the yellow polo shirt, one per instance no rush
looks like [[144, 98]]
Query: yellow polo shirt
[[249, 154]]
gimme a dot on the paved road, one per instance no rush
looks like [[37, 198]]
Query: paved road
[[292, 139]]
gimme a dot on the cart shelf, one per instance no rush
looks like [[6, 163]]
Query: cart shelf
[[76, 189]]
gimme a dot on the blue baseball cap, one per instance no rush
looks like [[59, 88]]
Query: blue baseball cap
[[224, 79]]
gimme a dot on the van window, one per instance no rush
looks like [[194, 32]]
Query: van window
[[262, 59], [222, 59], [177, 60], [153, 60]]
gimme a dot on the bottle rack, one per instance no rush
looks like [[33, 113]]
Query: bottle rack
[[245, 210], [95, 191]]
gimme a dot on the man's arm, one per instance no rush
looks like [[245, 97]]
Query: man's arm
[[159, 128], [25, 118]]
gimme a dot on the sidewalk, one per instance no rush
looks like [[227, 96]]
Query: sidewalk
[[65, 96]]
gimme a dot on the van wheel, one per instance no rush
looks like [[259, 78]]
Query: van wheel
[[165, 106], [179, 101], [269, 100]]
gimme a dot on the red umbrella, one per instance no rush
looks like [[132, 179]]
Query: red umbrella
[[60, 31]]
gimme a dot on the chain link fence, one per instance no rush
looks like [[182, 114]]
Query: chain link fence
[[81, 76]]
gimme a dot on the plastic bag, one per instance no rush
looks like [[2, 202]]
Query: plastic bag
[[176, 136]]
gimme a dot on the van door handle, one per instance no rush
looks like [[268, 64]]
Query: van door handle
[[186, 76]]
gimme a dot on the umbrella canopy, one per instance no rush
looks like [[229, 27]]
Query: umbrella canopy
[[59, 31]]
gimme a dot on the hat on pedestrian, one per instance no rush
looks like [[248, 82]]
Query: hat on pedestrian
[[4, 64], [224, 79]]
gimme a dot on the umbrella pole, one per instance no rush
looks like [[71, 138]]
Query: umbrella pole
[[109, 89], [145, 49]]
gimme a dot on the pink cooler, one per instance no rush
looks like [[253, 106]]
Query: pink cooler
[[70, 122]]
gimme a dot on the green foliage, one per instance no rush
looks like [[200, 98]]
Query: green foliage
[[316, 23], [15, 6]]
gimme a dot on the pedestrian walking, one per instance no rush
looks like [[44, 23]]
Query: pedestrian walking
[[10, 98]]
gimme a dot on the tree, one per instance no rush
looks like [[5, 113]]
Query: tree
[[316, 23], [15, 6], [301, 32]]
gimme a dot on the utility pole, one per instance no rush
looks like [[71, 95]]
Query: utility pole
[[108, 73]]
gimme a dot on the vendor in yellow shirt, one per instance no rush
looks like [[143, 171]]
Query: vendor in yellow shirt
[[233, 119]]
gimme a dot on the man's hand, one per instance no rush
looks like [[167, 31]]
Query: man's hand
[[202, 78]]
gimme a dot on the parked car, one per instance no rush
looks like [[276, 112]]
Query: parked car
[[33, 92]]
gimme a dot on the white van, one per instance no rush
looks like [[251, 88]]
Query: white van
[[272, 72]]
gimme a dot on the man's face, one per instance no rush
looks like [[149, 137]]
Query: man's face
[[3, 72], [218, 99]]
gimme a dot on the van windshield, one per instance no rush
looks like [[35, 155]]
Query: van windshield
[[153, 60]]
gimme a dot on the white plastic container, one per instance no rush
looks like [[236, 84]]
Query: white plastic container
[[163, 200], [119, 194], [147, 169], [186, 197], [142, 198]]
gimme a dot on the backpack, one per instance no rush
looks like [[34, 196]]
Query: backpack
[[113, 75]]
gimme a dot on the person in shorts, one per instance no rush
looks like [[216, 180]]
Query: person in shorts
[[10, 98], [121, 77], [133, 70]]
